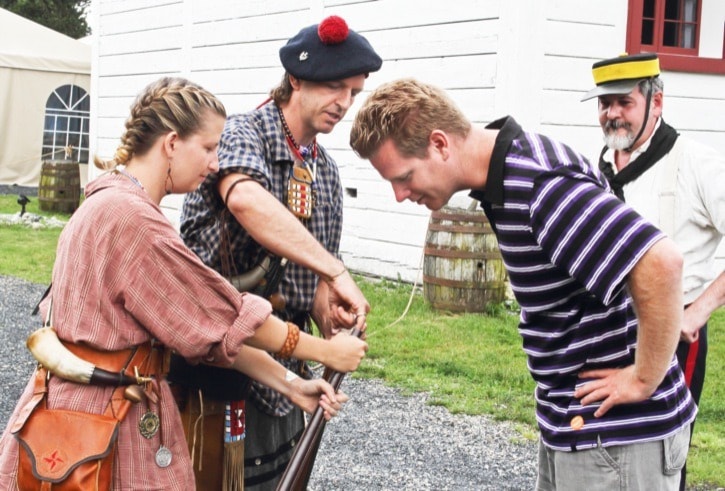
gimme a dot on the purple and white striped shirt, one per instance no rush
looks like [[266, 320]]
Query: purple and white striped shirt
[[568, 245]]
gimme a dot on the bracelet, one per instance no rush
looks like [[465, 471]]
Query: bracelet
[[332, 278], [290, 343]]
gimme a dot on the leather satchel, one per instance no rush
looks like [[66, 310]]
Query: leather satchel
[[64, 450]]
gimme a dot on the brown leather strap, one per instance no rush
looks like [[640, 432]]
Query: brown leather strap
[[39, 392], [118, 406], [148, 357], [233, 185], [142, 359]]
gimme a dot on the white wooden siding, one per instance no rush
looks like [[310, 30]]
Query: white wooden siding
[[527, 58]]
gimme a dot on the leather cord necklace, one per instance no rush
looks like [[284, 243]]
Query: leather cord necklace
[[130, 177]]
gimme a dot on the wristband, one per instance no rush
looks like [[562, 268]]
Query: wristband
[[290, 376], [290, 343]]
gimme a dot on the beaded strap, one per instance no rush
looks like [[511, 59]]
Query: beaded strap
[[303, 152]]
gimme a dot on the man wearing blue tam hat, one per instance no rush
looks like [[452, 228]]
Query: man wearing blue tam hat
[[275, 207], [674, 182], [328, 51]]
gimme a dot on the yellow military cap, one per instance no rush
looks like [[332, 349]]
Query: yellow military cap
[[621, 74]]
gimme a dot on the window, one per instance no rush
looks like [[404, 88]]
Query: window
[[671, 28], [65, 134]]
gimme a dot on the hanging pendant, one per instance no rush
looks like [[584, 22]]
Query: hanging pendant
[[163, 457], [299, 192], [149, 424]]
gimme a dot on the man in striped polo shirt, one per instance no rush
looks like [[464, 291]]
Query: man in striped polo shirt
[[597, 284]]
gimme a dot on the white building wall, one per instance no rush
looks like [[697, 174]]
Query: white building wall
[[527, 58]]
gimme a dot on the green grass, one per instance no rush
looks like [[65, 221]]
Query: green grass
[[9, 205], [707, 454], [27, 253], [468, 363]]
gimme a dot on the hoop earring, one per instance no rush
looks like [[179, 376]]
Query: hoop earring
[[169, 183]]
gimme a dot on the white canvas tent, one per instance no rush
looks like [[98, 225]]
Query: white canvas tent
[[34, 63]]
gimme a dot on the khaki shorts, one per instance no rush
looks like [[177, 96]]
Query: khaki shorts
[[635, 467]]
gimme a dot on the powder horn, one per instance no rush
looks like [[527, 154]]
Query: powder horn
[[245, 282], [47, 349]]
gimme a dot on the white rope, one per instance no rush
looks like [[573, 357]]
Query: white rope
[[410, 299]]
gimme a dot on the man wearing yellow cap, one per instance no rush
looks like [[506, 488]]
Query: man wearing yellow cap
[[671, 180]]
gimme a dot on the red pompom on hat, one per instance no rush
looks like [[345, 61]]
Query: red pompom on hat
[[333, 30]]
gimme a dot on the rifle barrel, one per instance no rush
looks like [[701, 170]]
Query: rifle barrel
[[299, 468]]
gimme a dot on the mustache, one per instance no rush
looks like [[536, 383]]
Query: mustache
[[615, 125]]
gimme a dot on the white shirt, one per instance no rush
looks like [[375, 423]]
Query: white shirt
[[699, 202]]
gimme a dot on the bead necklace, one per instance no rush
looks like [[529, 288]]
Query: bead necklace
[[300, 152], [132, 178]]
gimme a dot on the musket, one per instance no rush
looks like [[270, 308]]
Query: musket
[[299, 468]]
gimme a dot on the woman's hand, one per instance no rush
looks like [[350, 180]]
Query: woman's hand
[[309, 394], [344, 352]]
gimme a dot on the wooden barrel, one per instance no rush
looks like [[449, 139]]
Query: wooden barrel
[[60, 186], [462, 266]]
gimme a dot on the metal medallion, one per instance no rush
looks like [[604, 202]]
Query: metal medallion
[[163, 457], [149, 424]]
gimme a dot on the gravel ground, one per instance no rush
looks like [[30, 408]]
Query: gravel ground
[[382, 440], [16, 365], [385, 441]]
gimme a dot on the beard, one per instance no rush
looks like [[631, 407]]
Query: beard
[[614, 140]]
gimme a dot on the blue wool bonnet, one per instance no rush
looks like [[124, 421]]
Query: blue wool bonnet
[[328, 51]]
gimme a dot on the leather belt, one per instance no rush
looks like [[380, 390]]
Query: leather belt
[[150, 358]]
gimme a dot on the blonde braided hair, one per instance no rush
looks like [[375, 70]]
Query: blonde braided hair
[[168, 104]]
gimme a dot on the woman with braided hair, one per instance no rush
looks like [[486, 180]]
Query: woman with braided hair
[[123, 277]]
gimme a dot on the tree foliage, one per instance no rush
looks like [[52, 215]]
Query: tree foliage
[[64, 16]]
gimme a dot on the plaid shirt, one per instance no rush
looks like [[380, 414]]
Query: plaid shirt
[[254, 144]]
